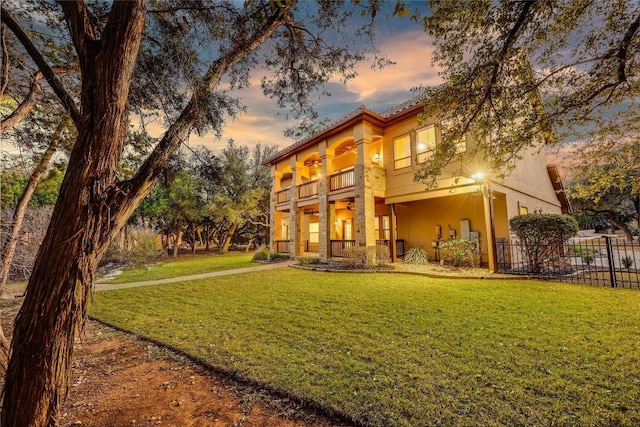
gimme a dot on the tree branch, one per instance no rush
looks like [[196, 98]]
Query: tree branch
[[498, 62], [81, 29], [4, 76], [623, 49], [28, 103], [135, 189], [25, 106], [48, 73]]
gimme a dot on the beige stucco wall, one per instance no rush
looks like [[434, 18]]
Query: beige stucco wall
[[418, 209], [529, 186], [417, 221]]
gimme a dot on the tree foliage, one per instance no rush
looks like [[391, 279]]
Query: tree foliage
[[181, 58], [517, 74], [607, 183]]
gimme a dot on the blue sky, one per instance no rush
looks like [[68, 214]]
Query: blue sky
[[402, 40]]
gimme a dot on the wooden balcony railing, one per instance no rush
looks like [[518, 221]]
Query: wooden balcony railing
[[399, 246], [282, 246], [338, 247], [283, 196], [341, 180], [308, 189]]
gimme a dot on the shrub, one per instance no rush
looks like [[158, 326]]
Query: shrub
[[137, 245], [356, 256], [585, 252], [460, 252], [278, 257], [588, 258], [542, 235], [307, 260], [262, 254], [383, 255], [367, 256], [627, 262], [416, 255]]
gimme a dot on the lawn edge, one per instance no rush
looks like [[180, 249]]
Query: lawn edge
[[305, 403]]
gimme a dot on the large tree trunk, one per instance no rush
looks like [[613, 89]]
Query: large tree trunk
[[92, 205], [9, 246], [4, 352], [176, 242], [227, 239], [82, 224]]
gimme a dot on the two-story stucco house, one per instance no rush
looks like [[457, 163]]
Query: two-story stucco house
[[353, 184]]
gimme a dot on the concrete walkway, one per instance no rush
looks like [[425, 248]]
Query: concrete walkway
[[106, 286]]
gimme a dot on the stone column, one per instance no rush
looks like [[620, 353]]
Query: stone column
[[365, 214], [324, 207], [296, 245], [275, 220]]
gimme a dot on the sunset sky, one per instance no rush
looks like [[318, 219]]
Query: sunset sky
[[404, 42]]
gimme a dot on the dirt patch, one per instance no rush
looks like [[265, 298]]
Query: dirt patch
[[119, 380]]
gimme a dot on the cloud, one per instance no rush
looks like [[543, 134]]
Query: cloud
[[378, 90], [412, 52]]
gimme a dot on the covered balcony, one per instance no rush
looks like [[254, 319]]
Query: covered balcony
[[342, 180]]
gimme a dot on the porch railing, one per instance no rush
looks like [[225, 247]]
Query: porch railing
[[341, 180], [338, 247], [282, 246], [399, 246], [308, 189], [283, 196]]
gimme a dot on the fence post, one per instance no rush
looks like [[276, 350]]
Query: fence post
[[610, 259]]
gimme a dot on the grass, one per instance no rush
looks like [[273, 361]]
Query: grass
[[405, 350], [183, 267]]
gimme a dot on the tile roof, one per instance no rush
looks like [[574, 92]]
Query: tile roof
[[405, 105], [360, 110]]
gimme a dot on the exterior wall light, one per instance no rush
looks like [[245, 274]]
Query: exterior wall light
[[376, 156], [478, 176]]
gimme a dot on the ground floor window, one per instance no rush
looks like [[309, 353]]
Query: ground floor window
[[347, 229], [314, 232], [383, 227]]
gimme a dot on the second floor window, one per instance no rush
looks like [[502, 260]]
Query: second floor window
[[402, 151], [425, 143], [461, 145]]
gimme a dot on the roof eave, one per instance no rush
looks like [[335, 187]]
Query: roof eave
[[361, 114]]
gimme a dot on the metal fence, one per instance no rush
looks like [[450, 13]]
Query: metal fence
[[604, 261]]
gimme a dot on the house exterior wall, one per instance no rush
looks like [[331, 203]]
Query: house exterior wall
[[418, 221], [364, 144]]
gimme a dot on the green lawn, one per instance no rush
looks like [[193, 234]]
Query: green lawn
[[403, 350], [169, 267]]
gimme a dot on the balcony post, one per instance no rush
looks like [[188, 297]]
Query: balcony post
[[487, 193], [364, 196], [393, 234], [273, 221], [296, 244], [326, 210]]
